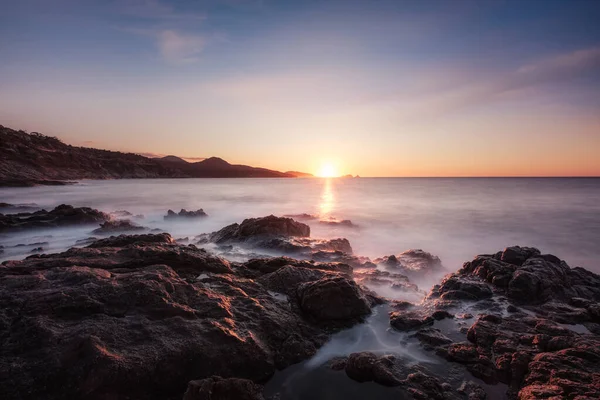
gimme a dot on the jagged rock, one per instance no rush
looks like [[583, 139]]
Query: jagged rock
[[62, 215], [333, 299], [118, 226], [217, 388], [127, 317], [265, 226], [184, 214], [414, 263], [287, 279], [366, 367], [346, 223], [432, 336], [409, 320]]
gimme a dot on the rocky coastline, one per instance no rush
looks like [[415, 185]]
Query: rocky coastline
[[140, 315]]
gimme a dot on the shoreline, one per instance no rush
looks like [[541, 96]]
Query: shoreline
[[511, 305]]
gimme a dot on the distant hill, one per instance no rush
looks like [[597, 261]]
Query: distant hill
[[33, 158], [300, 174]]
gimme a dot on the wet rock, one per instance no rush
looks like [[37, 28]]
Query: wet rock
[[287, 279], [456, 287], [117, 226], [302, 217], [366, 367], [121, 214], [432, 337], [63, 215], [184, 214], [472, 390], [265, 226], [346, 223], [413, 263], [127, 317], [7, 208], [518, 255], [409, 320], [429, 386], [127, 240], [333, 299], [217, 388]]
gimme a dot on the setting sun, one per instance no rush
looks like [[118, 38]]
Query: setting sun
[[327, 170]]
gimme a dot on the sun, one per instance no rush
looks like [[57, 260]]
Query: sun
[[327, 170]]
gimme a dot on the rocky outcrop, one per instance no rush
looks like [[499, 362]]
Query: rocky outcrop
[[184, 214], [333, 299], [345, 223], [534, 326], [141, 316], [217, 388], [528, 277], [118, 226], [63, 215], [260, 227], [413, 263]]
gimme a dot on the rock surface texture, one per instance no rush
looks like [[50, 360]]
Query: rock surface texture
[[141, 316], [63, 215]]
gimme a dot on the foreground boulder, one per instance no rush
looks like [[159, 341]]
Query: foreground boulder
[[141, 316], [333, 299], [536, 327], [63, 215]]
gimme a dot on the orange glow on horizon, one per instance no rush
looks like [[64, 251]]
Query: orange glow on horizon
[[327, 170]]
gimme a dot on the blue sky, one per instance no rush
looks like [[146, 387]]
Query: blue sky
[[375, 87]]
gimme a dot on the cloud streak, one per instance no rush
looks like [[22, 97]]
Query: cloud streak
[[177, 48]]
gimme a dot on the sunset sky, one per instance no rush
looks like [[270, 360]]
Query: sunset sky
[[375, 88]]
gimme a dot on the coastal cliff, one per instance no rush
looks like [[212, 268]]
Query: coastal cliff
[[32, 158]]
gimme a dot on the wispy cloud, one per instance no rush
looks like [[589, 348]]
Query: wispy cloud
[[177, 48]]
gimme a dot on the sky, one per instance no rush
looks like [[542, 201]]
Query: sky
[[374, 88]]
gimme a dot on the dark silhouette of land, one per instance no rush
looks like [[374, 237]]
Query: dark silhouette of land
[[32, 158]]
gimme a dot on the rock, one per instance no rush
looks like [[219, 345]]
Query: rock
[[118, 226], [217, 388], [63, 215], [432, 337], [518, 255], [472, 390], [184, 214], [302, 217], [366, 367], [346, 223], [414, 263], [457, 287], [287, 279], [127, 317], [265, 226], [37, 250], [409, 320], [121, 214], [333, 299]]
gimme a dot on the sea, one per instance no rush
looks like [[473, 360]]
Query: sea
[[453, 218]]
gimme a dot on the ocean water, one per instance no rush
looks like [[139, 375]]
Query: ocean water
[[453, 218]]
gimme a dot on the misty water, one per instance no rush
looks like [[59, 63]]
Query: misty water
[[454, 219]]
